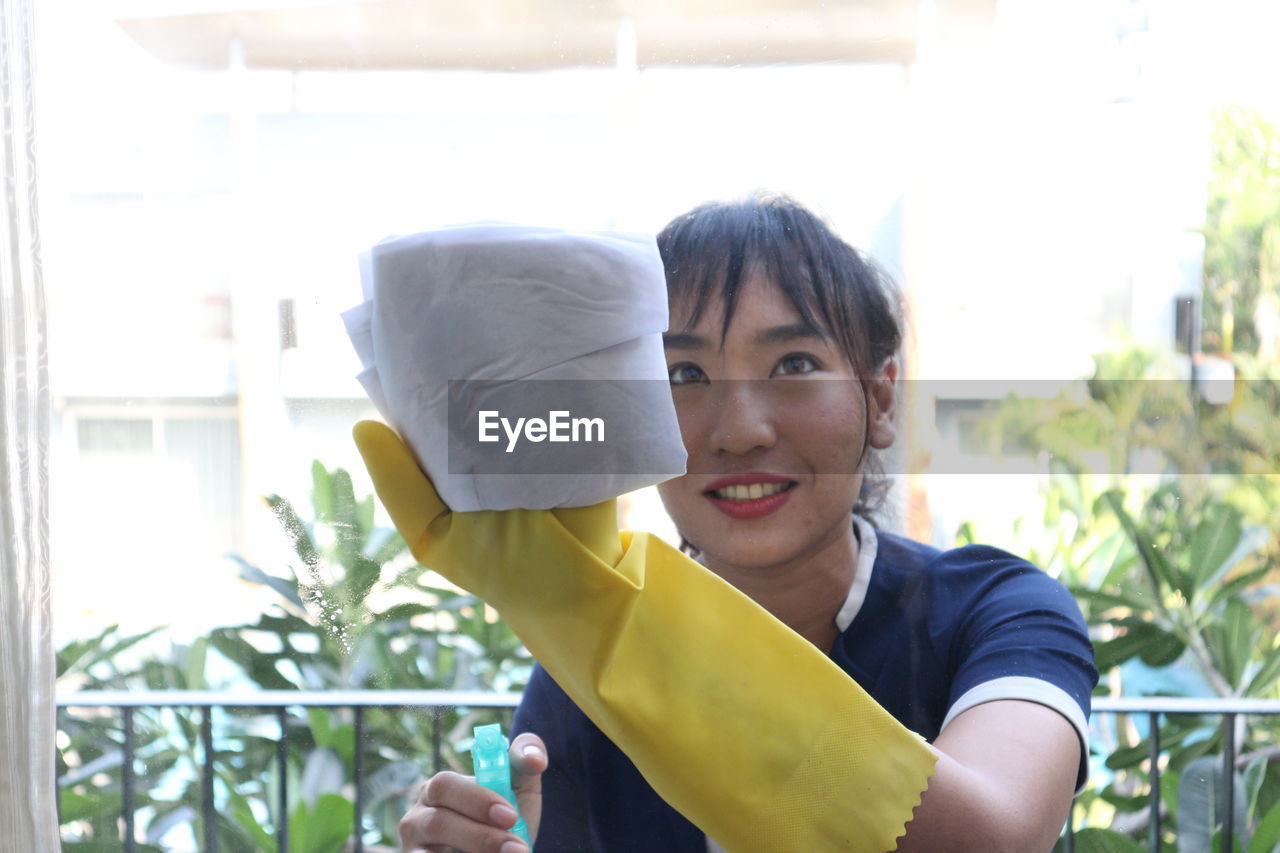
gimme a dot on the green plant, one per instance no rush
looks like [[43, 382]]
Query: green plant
[[1242, 230], [352, 612]]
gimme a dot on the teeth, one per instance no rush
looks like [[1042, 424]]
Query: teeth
[[753, 492]]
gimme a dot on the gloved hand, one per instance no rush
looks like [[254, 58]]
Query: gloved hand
[[738, 722]]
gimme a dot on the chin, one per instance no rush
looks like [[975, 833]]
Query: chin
[[747, 554]]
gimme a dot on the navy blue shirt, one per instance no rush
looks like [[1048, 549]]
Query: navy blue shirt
[[927, 633]]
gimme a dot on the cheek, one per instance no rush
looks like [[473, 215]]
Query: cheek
[[830, 433], [694, 412], [675, 495]]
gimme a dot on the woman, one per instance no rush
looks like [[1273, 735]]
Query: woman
[[782, 357]]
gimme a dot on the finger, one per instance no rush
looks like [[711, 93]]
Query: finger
[[528, 759], [436, 829], [458, 794], [528, 762], [404, 490]]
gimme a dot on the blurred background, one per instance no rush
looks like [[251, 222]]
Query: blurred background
[[1036, 175], [1079, 198]]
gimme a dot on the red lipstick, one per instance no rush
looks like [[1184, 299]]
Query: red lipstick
[[751, 508]]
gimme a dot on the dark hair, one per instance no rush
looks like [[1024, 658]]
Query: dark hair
[[712, 250]]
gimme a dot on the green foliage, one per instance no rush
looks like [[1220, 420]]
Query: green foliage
[[1169, 585], [351, 611], [1242, 230], [1176, 573]]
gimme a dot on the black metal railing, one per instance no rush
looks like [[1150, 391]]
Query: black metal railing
[[438, 701], [1228, 710], [434, 701]]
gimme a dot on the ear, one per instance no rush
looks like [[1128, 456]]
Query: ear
[[882, 393]]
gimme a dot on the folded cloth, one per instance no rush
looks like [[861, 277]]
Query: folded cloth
[[503, 319]]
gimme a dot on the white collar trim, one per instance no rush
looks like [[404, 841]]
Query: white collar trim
[[867, 545]]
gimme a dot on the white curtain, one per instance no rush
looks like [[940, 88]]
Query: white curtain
[[28, 816]]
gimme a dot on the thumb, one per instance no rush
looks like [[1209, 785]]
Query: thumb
[[529, 759], [404, 490]]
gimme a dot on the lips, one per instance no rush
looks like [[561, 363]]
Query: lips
[[751, 495]]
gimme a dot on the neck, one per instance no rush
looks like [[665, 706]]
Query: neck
[[804, 593]]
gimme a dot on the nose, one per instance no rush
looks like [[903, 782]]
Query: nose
[[742, 420]]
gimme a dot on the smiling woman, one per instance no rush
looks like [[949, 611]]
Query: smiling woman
[[211, 168], [781, 355]]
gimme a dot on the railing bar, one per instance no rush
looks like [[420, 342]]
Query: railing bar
[[206, 787], [478, 699], [437, 717], [127, 782], [282, 771], [1071, 830], [1153, 725], [1228, 781], [358, 760], [309, 698]]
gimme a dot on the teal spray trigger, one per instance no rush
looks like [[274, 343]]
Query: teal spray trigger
[[493, 770]]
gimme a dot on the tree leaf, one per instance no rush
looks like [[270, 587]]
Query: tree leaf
[[1238, 584], [1265, 677], [193, 671], [345, 519], [1254, 775], [321, 492], [242, 814], [322, 828], [160, 827], [1200, 803], [390, 548], [364, 518], [1153, 644], [361, 577], [1215, 538], [1266, 839], [390, 779], [1231, 640], [322, 773], [258, 666], [1161, 573], [1097, 840], [1109, 600], [288, 590], [303, 545]]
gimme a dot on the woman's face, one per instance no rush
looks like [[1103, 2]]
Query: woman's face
[[774, 422]]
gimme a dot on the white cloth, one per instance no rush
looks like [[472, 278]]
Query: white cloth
[[515, 304]]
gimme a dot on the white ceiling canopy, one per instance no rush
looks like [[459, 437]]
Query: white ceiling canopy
[[521, 34]]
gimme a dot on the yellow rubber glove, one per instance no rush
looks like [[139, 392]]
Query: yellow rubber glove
[[739, 723]]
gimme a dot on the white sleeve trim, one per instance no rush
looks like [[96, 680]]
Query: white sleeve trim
[[1028, 690]]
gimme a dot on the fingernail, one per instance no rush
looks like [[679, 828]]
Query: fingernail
[[513, 847], [502, 815], [531, 751]]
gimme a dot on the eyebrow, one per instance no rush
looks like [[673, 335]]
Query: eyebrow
[[772, 335]]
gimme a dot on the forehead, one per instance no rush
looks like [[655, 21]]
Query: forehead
[[760, 303]]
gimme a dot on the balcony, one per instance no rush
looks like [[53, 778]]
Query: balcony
[[204, 705]]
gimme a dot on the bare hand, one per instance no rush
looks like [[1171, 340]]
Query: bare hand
[[454, 813]]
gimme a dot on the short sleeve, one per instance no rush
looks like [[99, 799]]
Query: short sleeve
[[1022, 637], [546, 711]]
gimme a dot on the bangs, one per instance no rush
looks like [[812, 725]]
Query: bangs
[[711, 252]]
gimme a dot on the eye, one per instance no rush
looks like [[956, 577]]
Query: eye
[[796, 363], [686, 373]]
